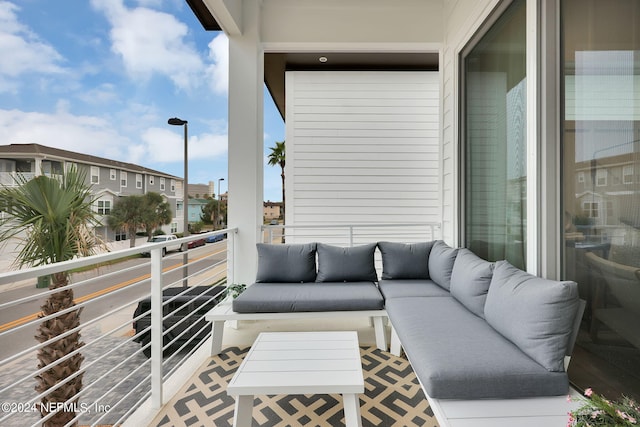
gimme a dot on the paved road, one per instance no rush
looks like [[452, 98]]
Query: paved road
[[110, 279], [96, 353]]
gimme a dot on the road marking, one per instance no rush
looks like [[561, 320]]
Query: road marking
[[30, 317]]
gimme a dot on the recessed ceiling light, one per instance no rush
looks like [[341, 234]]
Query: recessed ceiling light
[[322, 59]]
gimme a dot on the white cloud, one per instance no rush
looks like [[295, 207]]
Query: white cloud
[[166, 146], [22, 51], [84, 134], [152, 42], [218, 71], [104, 94]]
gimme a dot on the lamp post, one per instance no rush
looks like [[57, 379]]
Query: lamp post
[[174, 121], [219, 200]]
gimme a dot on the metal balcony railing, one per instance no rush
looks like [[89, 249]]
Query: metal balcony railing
[[117, 376]]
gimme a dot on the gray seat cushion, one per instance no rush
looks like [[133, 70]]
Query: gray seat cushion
[[405, 260], [534, 313], [351, 264], [457, 355], [294, 297], [286, 263], [410, 288], [470, 280], [441, 261]]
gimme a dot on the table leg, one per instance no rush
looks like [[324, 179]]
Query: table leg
[[242, 415], [216, 338], [352, 416], [381, 339]]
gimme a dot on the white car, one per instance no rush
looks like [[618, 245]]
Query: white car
[[164, 238]]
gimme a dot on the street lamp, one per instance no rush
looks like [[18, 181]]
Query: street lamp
[[219, 200], [174, 121]]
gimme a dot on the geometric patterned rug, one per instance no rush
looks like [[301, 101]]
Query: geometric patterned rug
[[392, 397]]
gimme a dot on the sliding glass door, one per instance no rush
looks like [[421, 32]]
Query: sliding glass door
[[494, 161], [600, 80]]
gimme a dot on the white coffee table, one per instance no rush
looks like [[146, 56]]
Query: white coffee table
[[300, 363]]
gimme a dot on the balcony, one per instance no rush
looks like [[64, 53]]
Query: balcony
[[10, 178], [121, 386]]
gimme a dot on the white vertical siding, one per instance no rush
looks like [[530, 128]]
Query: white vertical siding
[[362, 147]]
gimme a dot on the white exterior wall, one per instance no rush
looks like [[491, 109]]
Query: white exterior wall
[[362, 147]]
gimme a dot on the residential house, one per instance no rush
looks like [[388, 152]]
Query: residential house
[[272, 210], [477, 114], [110, 179], [195, 209]]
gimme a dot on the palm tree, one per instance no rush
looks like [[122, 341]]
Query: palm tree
[[128, 214], [276, 157], [156, 212], [53, 220]]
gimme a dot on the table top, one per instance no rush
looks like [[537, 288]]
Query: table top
[[300, 363]]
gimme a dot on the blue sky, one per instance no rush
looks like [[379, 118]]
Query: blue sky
[[102, 77]]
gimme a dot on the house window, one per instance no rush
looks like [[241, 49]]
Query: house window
[[151, 179], [173, 185], [112, 174], [71, 165], [162, 184], [590, 209], [174, 227], [601, 177], [627, 174], [95, 175], [581, 177], [121, 235], [104, 207], [494, 138], [123, 179], [138, 180]]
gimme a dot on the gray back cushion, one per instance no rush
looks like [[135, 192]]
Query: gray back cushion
[[286, 263], [535, 314], [405, 260], [441, 261], [470, 280], [338, 264]]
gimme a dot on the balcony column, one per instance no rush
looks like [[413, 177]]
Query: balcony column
[[246, 142]]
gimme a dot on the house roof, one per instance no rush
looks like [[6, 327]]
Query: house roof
[[22, 150]]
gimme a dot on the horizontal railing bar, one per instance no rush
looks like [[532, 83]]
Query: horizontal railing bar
[[67, 310], [70, 286], [372, 225], [32, 272], [76, 329]]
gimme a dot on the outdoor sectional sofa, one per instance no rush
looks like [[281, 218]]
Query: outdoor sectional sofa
[[471, 329]]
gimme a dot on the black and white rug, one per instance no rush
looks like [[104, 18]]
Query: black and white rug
[[392, 397]]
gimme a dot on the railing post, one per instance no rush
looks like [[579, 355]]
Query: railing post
[[351, 235], [231, 254], [156, 328]]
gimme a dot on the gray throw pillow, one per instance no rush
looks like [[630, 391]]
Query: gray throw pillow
[[470, 280], [441, 261], [286, 263], [535, 314], [338, 264], [405, 260]]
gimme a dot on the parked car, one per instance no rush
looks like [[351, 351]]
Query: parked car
[[197, 301], [195, 243], [164, 238], [216, 238]]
